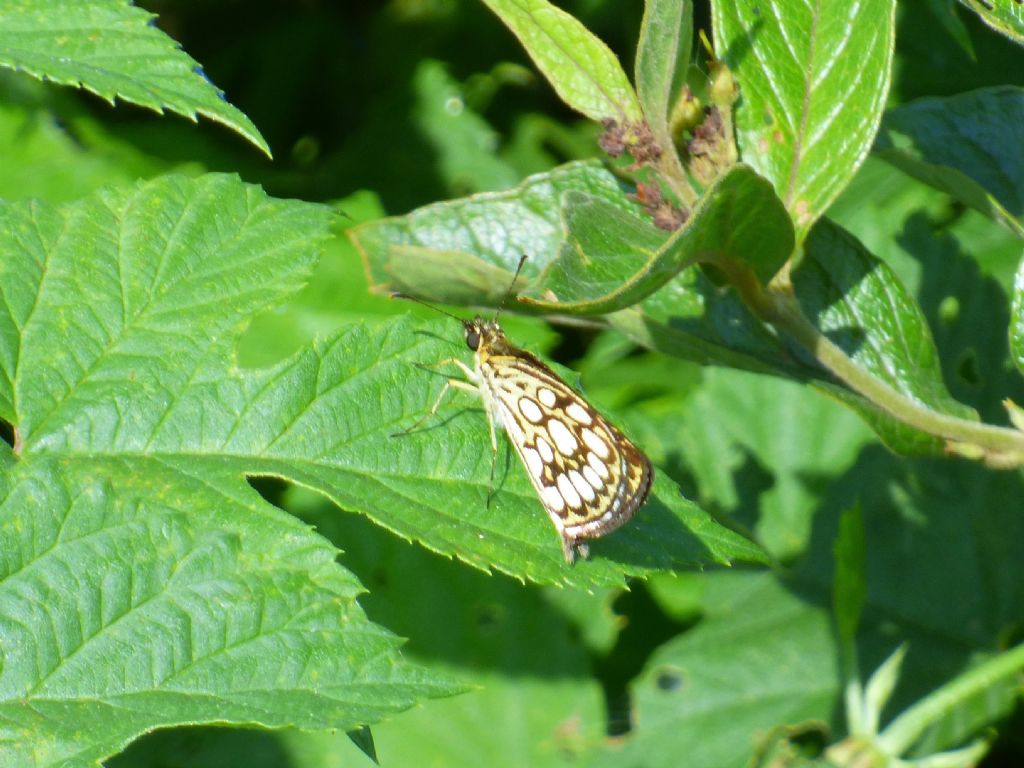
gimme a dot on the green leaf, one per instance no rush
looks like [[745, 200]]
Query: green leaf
[[1005, 18], [760, 657], [680, 595], [113, 49], [938, 568], [999, 672], [143, 583], [937, 577], [592, 613], [662, 59], [609, 259], [757, 450], [670, 530], [528, 709], [737, 427], [437, 487], [449, 277], [136, 594], [582, 69], [695, 319], [860, 304], [612, 259], [463, 141], [336, 295], [921, 31], [880, 685], [850, 590], [363, 738], [813, 83], [464, 232], [945, 13], [42, 160], [966, 145], [961, 269]]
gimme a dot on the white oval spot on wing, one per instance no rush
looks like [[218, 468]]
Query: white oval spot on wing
[[564, 441], [595, 443], [533, 462], [545, 450], [581, 485], [552, 498], [547, 397], [599, 466], [578, 413], [530, 410], [568, 492], [592, 477]]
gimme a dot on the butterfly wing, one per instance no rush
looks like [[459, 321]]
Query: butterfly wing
[[589, 476]]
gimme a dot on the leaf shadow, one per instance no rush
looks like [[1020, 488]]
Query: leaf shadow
[[205, 746], [452, 614], [964, 308], [655, 537], [942, 569], [741, 45], [701, 321], [7, 433], [826, 279]]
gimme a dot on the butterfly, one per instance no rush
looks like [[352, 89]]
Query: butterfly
[[590, 478]]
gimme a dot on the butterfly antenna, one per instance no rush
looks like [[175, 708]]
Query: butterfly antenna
[[408, 297], [511, 288]]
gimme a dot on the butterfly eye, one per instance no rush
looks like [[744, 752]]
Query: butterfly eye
[[472, 339]]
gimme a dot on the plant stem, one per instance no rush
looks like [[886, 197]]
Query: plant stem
[[902, 732], [1000, 447], [671, 172]]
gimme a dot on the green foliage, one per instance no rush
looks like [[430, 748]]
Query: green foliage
[[798, 290], [580, 67], [1007, 18], [144, 583], [814, 82], [759, 657], [662, 60], [956, 145], [112, 49], [611, 259], [850, 590]]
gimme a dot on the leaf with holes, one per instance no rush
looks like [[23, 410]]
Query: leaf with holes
[[1005, 18], [759, 658], [967, 146]]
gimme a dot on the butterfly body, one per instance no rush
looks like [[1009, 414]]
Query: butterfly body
[[590, 478]]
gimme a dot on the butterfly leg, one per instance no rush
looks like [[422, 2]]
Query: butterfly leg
[[451, 383], [494, 456], [470, 373]]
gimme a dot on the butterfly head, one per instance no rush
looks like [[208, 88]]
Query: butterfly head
[[480, 332]]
